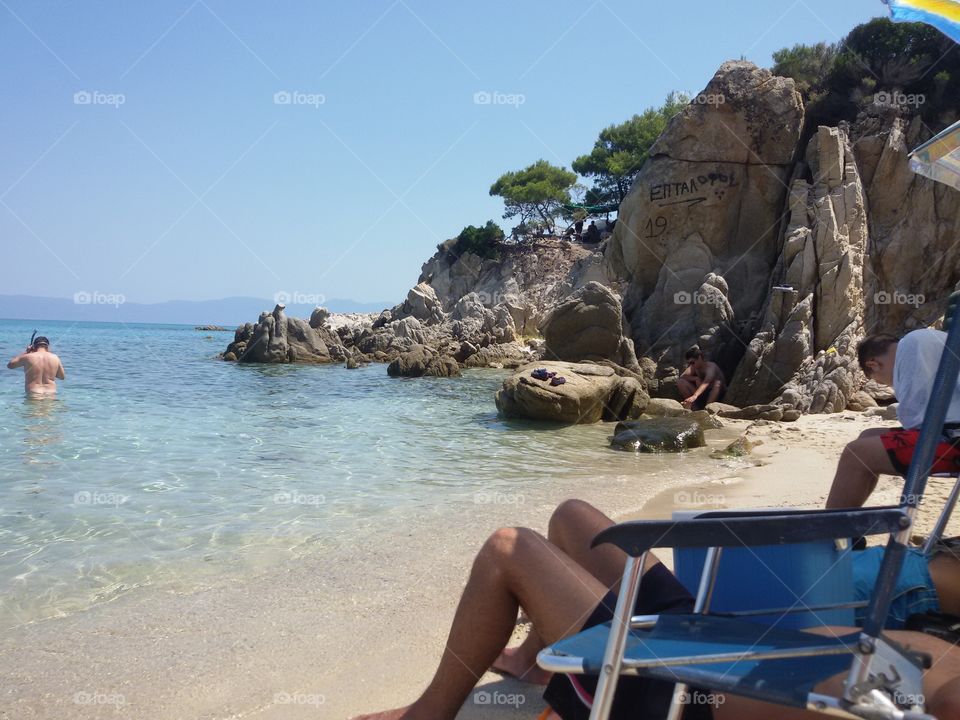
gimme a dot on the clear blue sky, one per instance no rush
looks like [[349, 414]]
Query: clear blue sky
[[200, 186]]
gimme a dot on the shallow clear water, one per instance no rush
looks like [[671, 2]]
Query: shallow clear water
[[159, 463]]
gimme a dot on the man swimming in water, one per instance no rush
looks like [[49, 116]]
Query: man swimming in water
[[41, 368]]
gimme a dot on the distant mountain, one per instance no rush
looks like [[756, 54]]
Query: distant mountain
[[103, 307]]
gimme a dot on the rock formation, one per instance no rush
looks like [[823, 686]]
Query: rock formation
[[777, 248], [661, 434], [277, 338], [700, 224], [591, 393], [589, 325], [421, 361]]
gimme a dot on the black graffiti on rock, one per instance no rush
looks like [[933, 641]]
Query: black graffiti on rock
[[693, 190]]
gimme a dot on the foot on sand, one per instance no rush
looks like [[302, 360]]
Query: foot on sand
[[520, 666]]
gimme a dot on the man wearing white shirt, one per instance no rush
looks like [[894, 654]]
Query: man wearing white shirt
[[909, 366]]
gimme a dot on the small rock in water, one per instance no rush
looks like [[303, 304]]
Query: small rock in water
[[740, 447], [661, 434]]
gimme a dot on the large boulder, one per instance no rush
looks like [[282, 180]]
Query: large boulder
[[591, 393], [277, 338], [589, 325], [661, 434], [421, 361], [423, 304], [700, 224]]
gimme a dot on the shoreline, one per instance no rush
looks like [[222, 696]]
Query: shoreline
[[364, 635]]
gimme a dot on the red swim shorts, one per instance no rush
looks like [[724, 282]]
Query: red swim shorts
[[900, 445]]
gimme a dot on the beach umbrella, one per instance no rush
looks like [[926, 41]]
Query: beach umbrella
[[939, 157], [944, 15]]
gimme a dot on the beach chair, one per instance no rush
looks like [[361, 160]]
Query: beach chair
[[725, 653]]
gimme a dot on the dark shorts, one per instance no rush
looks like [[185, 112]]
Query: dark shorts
[[900, 445], [637, 698]]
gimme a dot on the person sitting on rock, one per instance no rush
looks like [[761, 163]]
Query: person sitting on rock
[[702, 382], [592, 235], [563, 586], [909, 366]]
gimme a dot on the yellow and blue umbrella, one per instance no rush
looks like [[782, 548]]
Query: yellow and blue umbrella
[[944, 15], [939, 157]]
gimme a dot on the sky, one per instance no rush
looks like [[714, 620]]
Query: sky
[[199, 149]]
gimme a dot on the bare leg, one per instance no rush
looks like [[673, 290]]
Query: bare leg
[[941, 684], [515, 567], [572, 528], [686, 386], [715, 389], [945, 573], [861, 463]]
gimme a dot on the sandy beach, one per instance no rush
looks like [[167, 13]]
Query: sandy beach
[[283, 644]]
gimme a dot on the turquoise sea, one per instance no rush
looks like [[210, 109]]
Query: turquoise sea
[[158, 463]]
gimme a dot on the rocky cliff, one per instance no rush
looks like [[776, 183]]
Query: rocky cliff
[[777, 247], [773, 244]]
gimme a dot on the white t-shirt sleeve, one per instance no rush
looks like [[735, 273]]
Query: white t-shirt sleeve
[[918, 356]]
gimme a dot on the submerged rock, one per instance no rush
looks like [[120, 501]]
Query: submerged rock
[[421, 361], [738, 448], [661, 434]]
